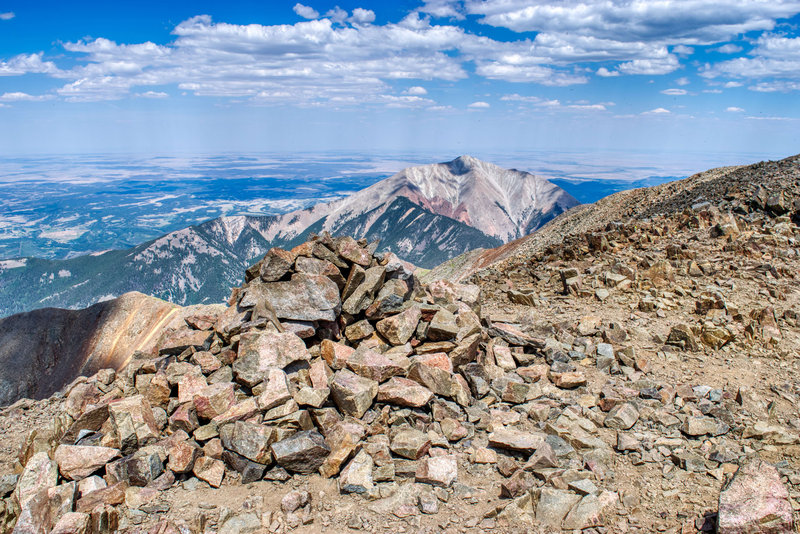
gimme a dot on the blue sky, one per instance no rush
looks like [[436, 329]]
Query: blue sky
[[455, 76]]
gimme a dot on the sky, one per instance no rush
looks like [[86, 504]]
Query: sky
[[667, 76]]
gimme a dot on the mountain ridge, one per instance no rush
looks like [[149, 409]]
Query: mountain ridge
[[200, 263]]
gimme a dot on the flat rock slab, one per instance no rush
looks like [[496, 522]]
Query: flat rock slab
[[755, 501], [306, 297], [79, 461]]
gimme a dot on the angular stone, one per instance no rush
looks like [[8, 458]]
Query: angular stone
[[182, 456], [39, 475], [276, 389], [305, 297], [76, 461], [276, 264], [404, 392], [699, 426], [399, 328], [519, 392], [682, 336], [622, 416], [362, 296], [373, 365], [569, 380], [261, 351], [353, 394], [755, 501], [210, 470], [143, 467], [321, 268], [554, 505], [250, 471], [442, 326], [436, 379], [356, 477], [308, 396], [516, 440], [73, 523], [184, 418], [189, 386], [207, 361], [214, 400], [251, 441], [438, 471], [133, 422], [514, 336], [177, 341], [303, 452], [359, 330], [349, 250], [111, 495], [410, 443], [335, 354], [544, 458]]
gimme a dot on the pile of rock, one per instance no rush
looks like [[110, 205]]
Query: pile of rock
[[335, 361]]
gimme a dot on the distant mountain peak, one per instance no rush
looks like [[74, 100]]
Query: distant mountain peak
[[463, 164]]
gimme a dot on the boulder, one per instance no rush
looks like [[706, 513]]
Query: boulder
[[303, 452], [755, 501], [76, 461], [353, 394]]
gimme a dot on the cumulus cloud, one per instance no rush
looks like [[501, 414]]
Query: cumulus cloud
[[734, 109], [444, 9], [650, 67], [729, 49], [337, 14], [7, 16], [27, 64], [479, 105], [605, 73], [682, 81], [417, 90], [774, 56], [362, 16], [688, 22], [674, 92], [683, 50], [306, 12]]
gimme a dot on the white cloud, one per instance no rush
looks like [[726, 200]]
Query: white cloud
[[305, 11], [683, 50], [337, 14], [657, 111], [682, 81], [416, 90], [774, 56], [479, 105], [152, 94], [24, 97], [556, 104], [734, 109], [732, 85], [674, 92], [650, 66], [7, 16], [689, 22], [27, 64], [775, 86], [605, 73], [713, 91], [444, 9], [729, 49], [362, 16]]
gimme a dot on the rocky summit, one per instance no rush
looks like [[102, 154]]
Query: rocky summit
[[635, 375]]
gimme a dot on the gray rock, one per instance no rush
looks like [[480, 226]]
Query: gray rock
[[303, 452]]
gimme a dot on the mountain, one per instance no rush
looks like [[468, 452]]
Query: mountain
[[733, 188], [425, 214]]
